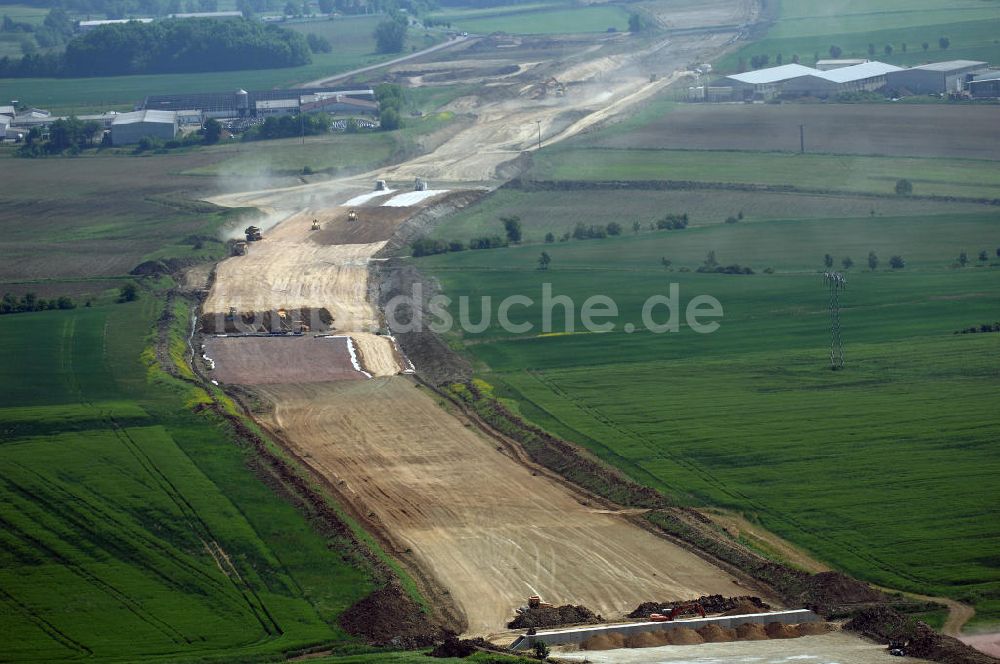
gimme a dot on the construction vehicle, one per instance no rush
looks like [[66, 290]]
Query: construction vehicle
[[380, 185], [558, 87], [352, 215], [678, 610], [315, 225], [419, 185], [239, 248], [253, 234]]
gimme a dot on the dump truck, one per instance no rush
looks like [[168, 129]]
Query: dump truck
[[352, 215], [419, 185], [380, 185], [253, 234], [315, 225]]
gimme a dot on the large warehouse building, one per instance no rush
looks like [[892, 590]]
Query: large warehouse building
[[261, 103], [841, 76], [129, 128], [935, 77], [985, 88], [864, 77], [796, 80]]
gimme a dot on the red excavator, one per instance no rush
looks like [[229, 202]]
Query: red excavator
[[678, 610]]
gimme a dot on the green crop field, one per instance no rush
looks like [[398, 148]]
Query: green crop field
[[811, 27], [750, 417], [331, 153], [353, 44], [942, 177], [131, 526], [538, 19], [557, 212], [881, 470]]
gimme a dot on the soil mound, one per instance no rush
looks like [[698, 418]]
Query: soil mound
[[554, 617], [390, 617], [744, 608], [833, 589], [885, 624], [604, 642], [647, 639], [813, 628], [711, 603], [685, 636], [716, 634], [751, 632], [777, 630]]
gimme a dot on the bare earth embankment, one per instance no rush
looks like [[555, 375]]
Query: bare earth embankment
[[489, 529]]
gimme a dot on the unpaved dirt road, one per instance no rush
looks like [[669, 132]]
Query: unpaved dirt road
[[491, 531]]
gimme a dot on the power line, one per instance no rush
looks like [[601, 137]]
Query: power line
[[836, 282]]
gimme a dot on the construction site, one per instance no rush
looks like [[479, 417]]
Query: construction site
[[291, 324]]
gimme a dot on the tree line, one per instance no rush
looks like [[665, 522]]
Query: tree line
[[11, 304], [169, 46], [835, 52]]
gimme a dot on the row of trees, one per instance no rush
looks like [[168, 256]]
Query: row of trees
[[764, 60], [896, 262], [984, 257], [11, 304], [429, 247], [289, 126], [169, 46]]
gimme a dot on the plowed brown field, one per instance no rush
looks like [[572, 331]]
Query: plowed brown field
[[489, 529]]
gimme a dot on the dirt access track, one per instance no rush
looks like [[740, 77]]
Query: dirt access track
[[490, 529]]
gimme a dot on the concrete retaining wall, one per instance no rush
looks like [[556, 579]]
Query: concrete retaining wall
[[577, 635]]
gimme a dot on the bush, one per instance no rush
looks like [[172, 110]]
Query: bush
[[904, 187], [389, 119], [318, 43], [428, 247], [128, 293], [673, 222], [487, 242], [897, 263]]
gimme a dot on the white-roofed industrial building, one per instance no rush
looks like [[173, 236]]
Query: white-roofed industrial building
[[797, 80], [762, 83], [864, 77], [985, 87], [935, 77], [827, 65], [129, 128]]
